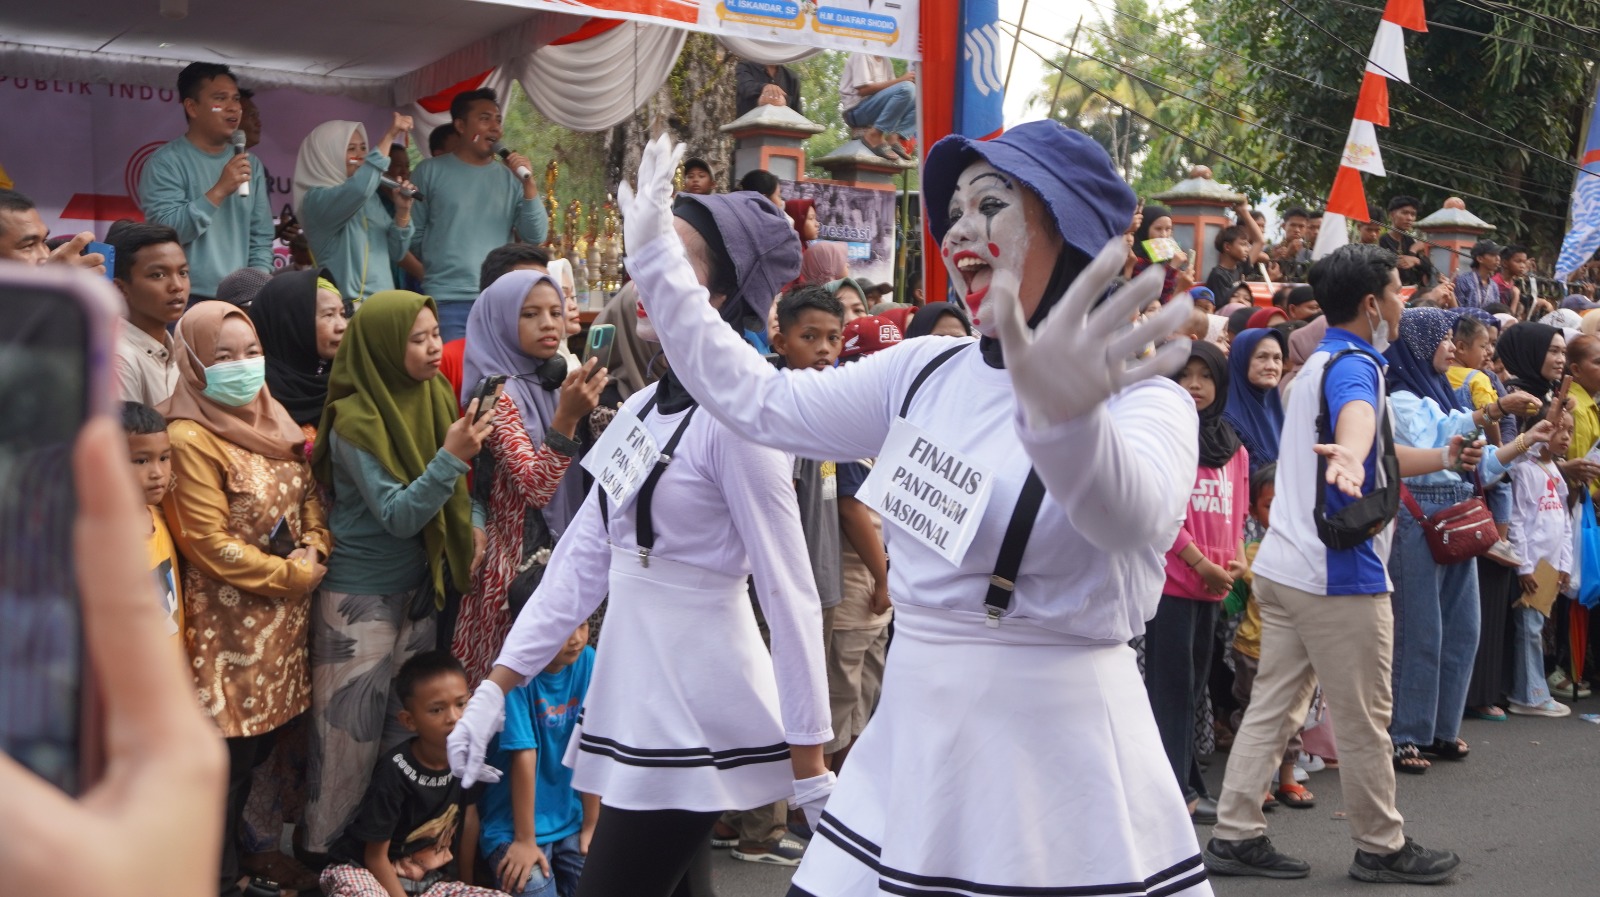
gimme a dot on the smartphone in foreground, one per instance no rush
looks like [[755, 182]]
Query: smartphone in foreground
[[55, 356], [602, 338]]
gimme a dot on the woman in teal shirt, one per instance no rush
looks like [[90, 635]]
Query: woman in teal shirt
[[336, 198]]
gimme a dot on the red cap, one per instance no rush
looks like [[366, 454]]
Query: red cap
[[868, 334]]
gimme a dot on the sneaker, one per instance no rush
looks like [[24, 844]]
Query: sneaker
[[1412, 864], [1504, 554], [723, 836], [1561, 686], [1551, 707], [1256, 856], [1309, 763], [784, 853]]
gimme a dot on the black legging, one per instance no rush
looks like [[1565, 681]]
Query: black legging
[[649, 853]]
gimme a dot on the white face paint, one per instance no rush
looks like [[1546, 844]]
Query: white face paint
[[988, 230], [642, 326]]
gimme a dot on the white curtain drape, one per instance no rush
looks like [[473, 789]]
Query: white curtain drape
[[595, 84]]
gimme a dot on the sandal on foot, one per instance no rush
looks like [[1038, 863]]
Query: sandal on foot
[[1456, 750], [1408, 759], [1491, 713], [1295, 796]]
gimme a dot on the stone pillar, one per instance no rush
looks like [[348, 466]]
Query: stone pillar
[[854, 164], [1451, 231], [1200, 208], [770, 137]]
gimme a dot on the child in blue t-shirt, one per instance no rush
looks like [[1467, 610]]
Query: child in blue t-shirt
[[535, 836]]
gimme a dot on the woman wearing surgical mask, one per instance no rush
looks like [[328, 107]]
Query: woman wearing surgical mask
[[245, 515], [336, 199]]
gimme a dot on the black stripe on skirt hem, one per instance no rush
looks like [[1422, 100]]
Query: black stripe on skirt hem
[[682, 762], [725, 754], [897, 881]]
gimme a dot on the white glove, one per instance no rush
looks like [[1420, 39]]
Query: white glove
[[647, 212], [811, 795], [469, 740], [1080, 356]]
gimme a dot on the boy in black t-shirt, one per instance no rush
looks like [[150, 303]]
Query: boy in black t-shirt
[[399, 842]]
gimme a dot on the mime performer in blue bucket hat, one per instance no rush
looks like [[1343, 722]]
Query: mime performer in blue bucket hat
[[1029, 483]]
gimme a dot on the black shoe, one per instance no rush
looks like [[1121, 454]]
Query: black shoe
[[1256, 856], [1412, 864], [1205, 812]]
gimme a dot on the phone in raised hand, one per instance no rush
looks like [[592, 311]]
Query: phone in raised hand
[[602, 338], [486, 392], [55, 373]]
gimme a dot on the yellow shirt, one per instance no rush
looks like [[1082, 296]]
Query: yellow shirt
[[164, 567], [1482, 390], [1586, 428]]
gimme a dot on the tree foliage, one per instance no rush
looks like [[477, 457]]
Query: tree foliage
[[1530, 78], [1281, 93]]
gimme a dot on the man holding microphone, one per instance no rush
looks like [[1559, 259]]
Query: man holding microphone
[[469, 206], [206, 187]]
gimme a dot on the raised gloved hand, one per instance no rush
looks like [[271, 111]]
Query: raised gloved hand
[[1081, 355], [811, 795], [469, 740], [647, 210]]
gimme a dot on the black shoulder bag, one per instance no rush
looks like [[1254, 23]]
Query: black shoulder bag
[[1364, 518]]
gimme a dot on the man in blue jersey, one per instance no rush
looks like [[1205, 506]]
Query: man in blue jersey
[[1325, 612]]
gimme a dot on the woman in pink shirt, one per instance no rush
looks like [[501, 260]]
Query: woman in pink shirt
[[1201, 566]]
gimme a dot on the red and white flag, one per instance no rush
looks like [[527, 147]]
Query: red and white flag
[[1388, 56], [1361, 149]]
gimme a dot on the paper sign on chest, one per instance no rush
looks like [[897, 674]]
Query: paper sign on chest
[[929, 491], [622, 457]]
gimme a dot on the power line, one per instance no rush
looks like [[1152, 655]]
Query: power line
[[1483, 7], [1427, 96], [1483, 34], [1479, 135], [1190, 140], [1322, 149], [1443, 161]]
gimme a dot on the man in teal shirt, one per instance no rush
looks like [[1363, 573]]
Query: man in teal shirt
[[470, 206], [191, 184]]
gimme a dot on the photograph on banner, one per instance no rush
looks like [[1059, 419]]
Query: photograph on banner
[[87, 176], [863, 220], [880, 27]]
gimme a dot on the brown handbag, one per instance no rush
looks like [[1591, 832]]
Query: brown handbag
[[1458, 533]]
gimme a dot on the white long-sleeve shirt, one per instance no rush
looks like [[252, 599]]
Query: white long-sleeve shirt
[[724, 504], [1117, 479], [1541, 527]]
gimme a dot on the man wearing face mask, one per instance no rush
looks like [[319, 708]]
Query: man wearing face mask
[[1016, 590], [1325, 612]]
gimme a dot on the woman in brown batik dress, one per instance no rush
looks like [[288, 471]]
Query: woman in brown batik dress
[[246, 518]]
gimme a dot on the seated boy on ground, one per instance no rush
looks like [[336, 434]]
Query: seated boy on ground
[[399, 842]]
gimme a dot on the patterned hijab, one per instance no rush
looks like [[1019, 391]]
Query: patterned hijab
[[1411, 357]]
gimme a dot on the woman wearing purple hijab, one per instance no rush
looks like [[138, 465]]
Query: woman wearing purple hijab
[[516, 327]]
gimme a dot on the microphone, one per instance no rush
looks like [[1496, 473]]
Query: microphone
[[407, 192], [502, 152], [238, 141]]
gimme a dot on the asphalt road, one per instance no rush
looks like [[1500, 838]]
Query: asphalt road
[[1523, 812]]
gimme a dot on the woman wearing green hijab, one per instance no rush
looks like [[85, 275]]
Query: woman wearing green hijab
[[394, 453]]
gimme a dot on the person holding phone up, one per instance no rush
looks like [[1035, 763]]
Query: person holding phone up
[[241, 474], [394, 451], [524, 481]]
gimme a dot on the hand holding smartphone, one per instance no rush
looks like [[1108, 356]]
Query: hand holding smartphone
[[602, 338]]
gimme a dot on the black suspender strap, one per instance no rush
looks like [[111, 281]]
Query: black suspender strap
[[645, 532], [927, 371], [1004, 579]]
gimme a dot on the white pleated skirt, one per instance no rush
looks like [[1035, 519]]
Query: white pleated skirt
[[1004, 762], [682, 709]]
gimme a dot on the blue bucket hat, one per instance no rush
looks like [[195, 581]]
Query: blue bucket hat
[[1072, 174]]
